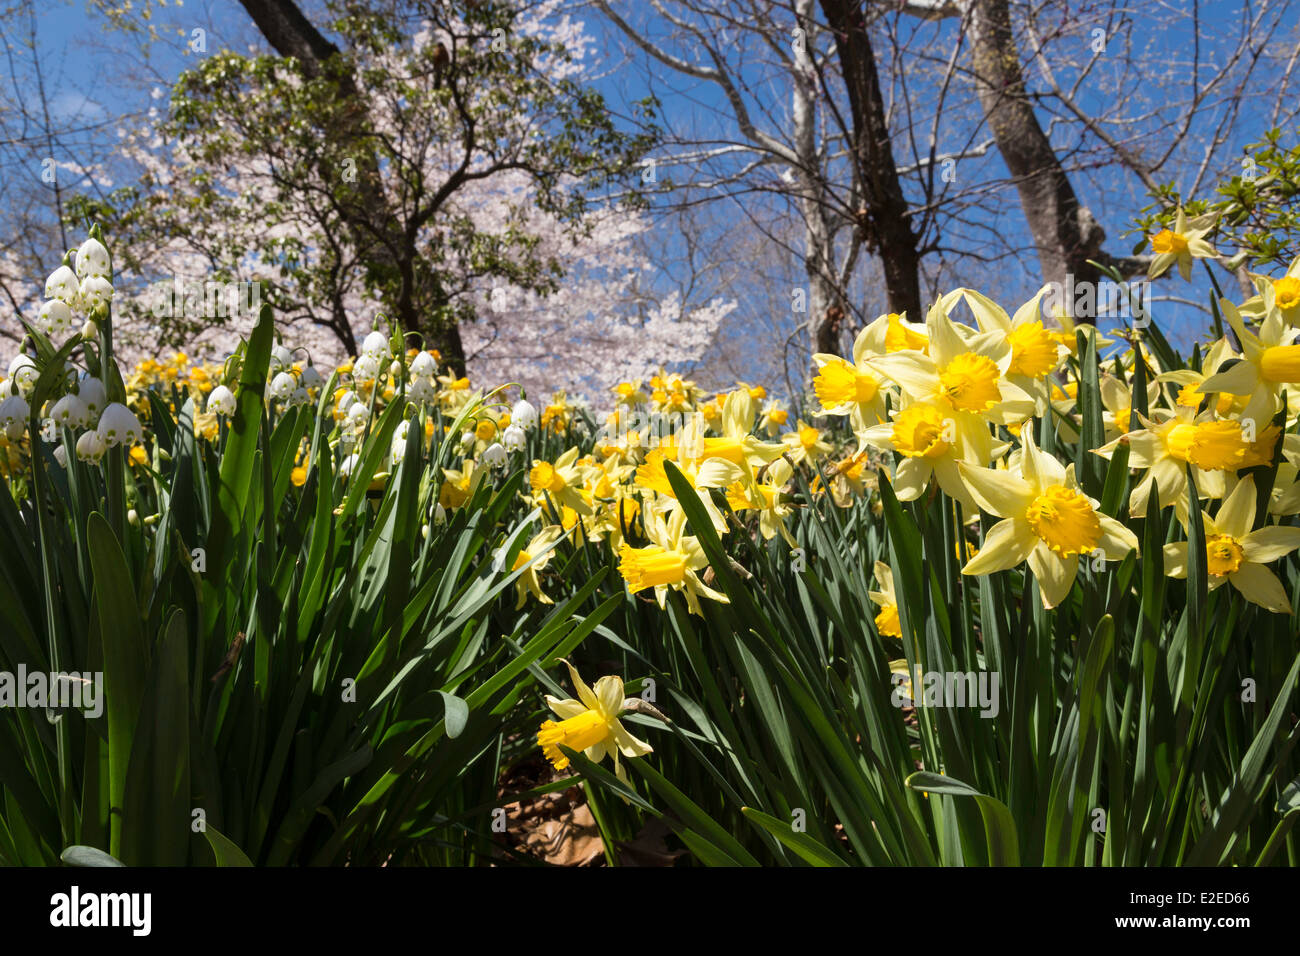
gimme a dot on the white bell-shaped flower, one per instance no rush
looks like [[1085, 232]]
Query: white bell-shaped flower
[[90, 447], [95, 291], [92, 259], [94, 395], [55, 318], [365, 369], [523, 414], [494, 455], [70, 411], [423, 365], [119, 426], [422, 391], [514, 437], [63, 284], [24, 372], [221, 401], [14, 412], [282, 386], [281, 359], [375, 346]]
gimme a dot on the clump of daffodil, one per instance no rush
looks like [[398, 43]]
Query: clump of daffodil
[[1181, 244], [1048, 522], [590, 724], [962, 377], [1235, 554], [1035, 351], [670, 561]]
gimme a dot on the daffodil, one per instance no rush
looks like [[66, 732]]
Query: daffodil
[[1169, 442], [1236, 554], [926, 437], [1181, 244], [590, 724], [962, 376], [1271, 361], [1048, 522], [805, 443], [773, 418], [887, 623], [766, 495], [560, 480], [670, 561], [852, 388], [534, 557]]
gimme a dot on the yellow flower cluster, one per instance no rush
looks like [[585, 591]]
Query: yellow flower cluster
[[950, 401]]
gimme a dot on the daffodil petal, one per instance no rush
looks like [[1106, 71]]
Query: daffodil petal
[[1269, 544], [1006, 545], [1260, 585], [997, 492], [1055, 574]]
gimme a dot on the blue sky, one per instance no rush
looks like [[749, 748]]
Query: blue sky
[[99, 75]]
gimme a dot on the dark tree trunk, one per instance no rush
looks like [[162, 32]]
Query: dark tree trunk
[[1064, 232], [884, 218]]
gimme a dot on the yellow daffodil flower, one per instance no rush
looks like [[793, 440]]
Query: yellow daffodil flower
[[1236, 555], [590, 724], [1048, 522]]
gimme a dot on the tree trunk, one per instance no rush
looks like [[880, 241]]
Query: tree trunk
[[1064, 232], [885, 217]]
